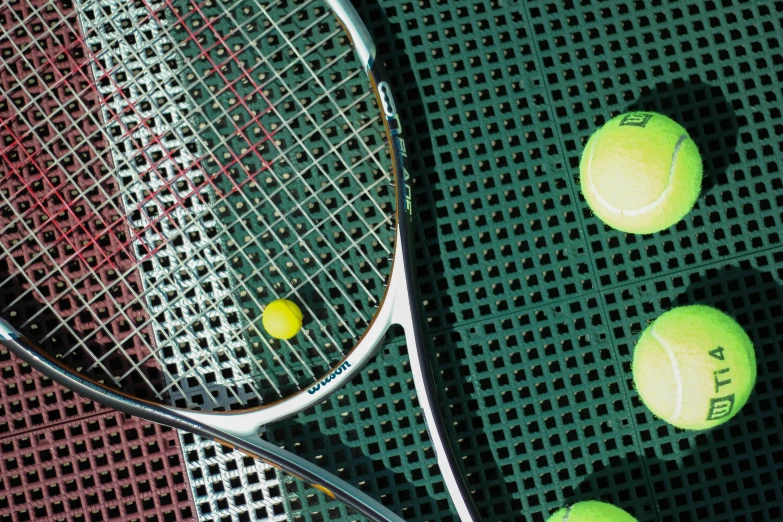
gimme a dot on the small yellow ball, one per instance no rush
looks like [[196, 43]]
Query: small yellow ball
[[282, 319]]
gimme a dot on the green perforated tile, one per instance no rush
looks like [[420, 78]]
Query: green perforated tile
[[533, 305]]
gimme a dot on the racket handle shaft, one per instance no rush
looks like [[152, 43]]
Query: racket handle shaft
[[253, 446]]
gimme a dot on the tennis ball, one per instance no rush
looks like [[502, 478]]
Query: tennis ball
[[282, 319], [591, 511], [694, 367], [640, 172]]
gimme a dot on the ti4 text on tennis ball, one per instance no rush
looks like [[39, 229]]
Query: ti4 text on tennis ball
[[694, 367]]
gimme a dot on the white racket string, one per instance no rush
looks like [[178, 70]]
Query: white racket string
[[272, 106], [280, 262]]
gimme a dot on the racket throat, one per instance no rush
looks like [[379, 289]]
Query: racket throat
[[406, 313]]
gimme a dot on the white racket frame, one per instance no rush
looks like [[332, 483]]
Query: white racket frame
[[398, 306]]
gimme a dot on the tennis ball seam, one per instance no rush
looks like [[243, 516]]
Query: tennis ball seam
[[294, 310], [649, 206], [567, 514], [675, 370]]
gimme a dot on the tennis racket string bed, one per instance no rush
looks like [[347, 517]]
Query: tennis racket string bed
[[157, 83], [108, 29], [198, 160]]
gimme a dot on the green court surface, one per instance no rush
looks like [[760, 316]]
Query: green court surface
[[533, 305]]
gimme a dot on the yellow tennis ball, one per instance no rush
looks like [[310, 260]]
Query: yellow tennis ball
[[591, 511], [694, 367], [640, 173], [282, 319]]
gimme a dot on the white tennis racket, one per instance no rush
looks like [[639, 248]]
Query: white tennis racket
[[154, 232]]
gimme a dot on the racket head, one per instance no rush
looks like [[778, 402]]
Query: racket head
[[221, 177], [238, 155]]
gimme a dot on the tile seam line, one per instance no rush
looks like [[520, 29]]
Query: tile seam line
[[597, 292]]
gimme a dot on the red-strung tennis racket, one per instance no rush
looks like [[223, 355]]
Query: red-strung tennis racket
[[238, 157]]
